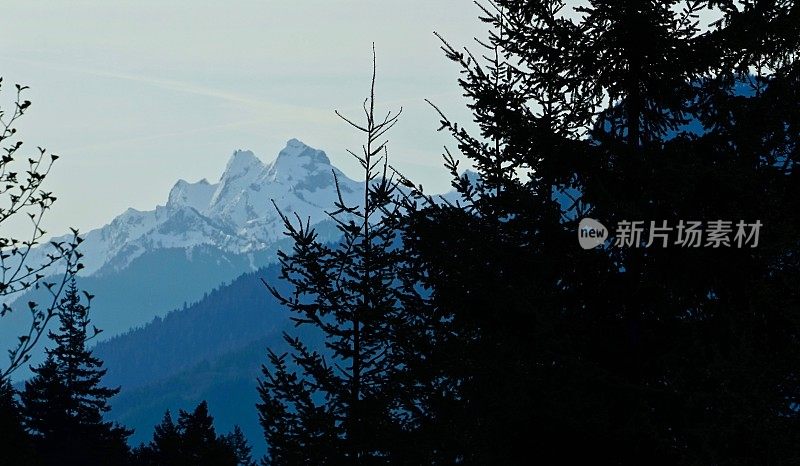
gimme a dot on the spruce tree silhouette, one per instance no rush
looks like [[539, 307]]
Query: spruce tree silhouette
[[238, 443], [165, 448], [336, 402], [622, 111], [193, 441], [63, 404], [199, 442]]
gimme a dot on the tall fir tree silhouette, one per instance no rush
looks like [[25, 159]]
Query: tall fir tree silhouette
[[192, 441], [335, 402], [621, 355], [241, 448], [165, 448], [64, 403], [200, 444]]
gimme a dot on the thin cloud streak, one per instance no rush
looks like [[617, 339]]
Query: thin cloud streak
[[186, 87]]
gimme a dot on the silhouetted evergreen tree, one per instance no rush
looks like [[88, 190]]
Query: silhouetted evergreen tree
[[337, 404], [63, 404], [193, 441], [237, 441], [165, 448], [200, 444], [625, 110]]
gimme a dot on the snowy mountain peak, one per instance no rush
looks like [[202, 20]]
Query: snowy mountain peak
[[235, 215], [241, 162], [301, 166], [196, 195], [297, 152], [243, 169]]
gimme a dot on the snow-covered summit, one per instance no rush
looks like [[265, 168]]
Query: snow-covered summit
[[196, 195], [297, 150], [235, 214], [243, 163], [297, 161]]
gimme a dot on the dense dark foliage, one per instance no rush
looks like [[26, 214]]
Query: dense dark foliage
[[620, 355], [529, 349], [15, 443]]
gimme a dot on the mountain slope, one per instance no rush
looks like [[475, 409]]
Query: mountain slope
[[228, 383], [211, 350], [226, 319]]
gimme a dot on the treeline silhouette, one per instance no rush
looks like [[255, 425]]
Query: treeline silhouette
[[477, 331], [58, 417]]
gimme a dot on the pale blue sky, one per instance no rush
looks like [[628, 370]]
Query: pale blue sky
[[137, 94]]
